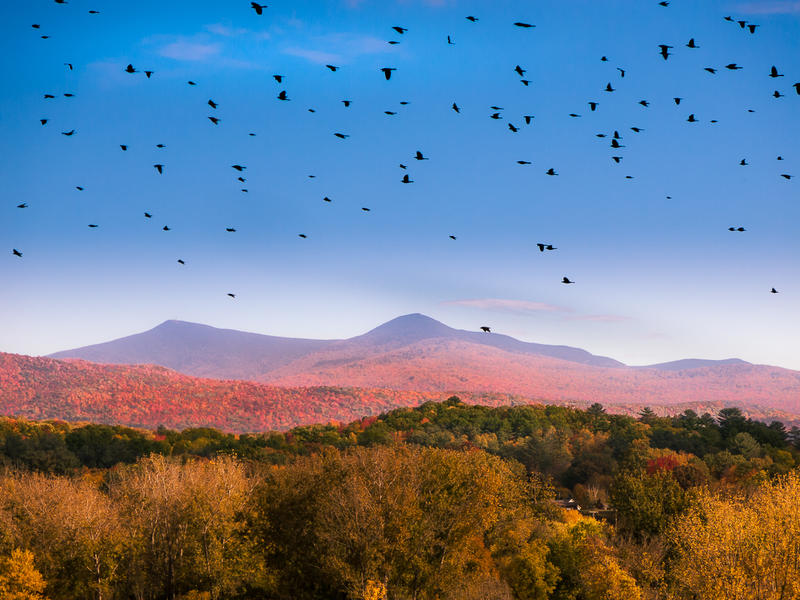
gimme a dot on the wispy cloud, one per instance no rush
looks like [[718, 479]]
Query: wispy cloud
[[771, 7], [338, 47], [226, 30], [599, 318], [515, 306], [191, 51]]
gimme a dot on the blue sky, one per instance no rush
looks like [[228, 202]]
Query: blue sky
[[656, 278]]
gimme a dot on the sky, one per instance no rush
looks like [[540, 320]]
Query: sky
[[657, 274]]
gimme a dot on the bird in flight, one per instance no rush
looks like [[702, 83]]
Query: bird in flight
[[665, 51], [333, 68], [68, 133], [23, 205], [387, 72], [239, 168], [407, 179], [471, 18], [774, 72], [691, 44], [148, 215], [736, 229], [259, 8], [214, 120], [609, 88], [733, 67], [486, 329], [159, 168], [566, 280], [419, 156], [551, 172], [342, 136], [773, 291], [456, 108], [450, 41], [282, 96], [400, 30], [130, 69], [16, 252], [593, 106], [231, 295], [524, 25], [230, 229], [181, 262], [212, 104]]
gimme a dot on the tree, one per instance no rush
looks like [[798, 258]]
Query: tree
[[19, 579], [647, 503]]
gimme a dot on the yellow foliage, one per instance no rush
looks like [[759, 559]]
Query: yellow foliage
[[19, 579], [374, 590]]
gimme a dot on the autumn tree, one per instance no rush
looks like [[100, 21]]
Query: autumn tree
[[19, 579]]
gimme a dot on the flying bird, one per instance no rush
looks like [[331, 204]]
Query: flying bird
[[609, 88], [332, 68], [471, 18], [551, 172], [259, 8], [512, 128], [450, 41], [212, 104], [456, 108], [736, 229], [593, 106], [528, 119], [231, 295], [691, 44], [165, 228], [92, 225], [419, 156], [452, 237], [519, 70], [16, 252], [230, 229], [342, 136], [524, 162], [773, 291], [278, 78], [302, 235], [677, 101], [407, 179], [347, 103], [180, 262], [23, 205], [785, 176], [400, 30], [733, 67], [124, 147], [665, 51], [282, 96], [68, 133], [711, 70], [691, 118], [148, 215], [774, 72], [159, 168], [524, 25], [148, 74], [364, 209], [621, 72], [486, 329], [566, 280], [130, 69], [796, 87], [43, 121], [387, 72], [239, 168]]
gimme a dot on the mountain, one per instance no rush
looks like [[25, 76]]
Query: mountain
[[227, 354], [694, 363]]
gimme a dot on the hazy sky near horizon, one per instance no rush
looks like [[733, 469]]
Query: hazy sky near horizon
[[656, 278]]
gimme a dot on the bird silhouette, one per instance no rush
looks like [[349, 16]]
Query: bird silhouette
[[486, 329], [282, 96], [43, 121], [621, 72], [342, 136], [165, 228], [677, 101], [609, 88], [400, 30], [23, 205], [259, 8], [212, 104], [566, 280], [181, 262], [593, 106], [665, 51], [473, 19], [616, 159], [347, 103], [495, 116], [512, 128], [736, 229], [743, 162], [124, 147], [786, 176], [752, 27], [733, 67], [524, 25], [407, 179], [389, 112], [773, 291], [524, 162], [364, 209], [419, 156], [711, 70], [93, 226], [387, 72], [796, 87], [16, 252], [231, 295], [239, 168], [528, 119], [148, 215], [774, 72], [333, 68], [130, 69], [452, 237], [159, 168], [692, 118], [278, 78], [644, 103], [302, 235], [68, 133], [691, 44], [456, 108], [777, 94], [450, 41], [326, 199], [519, 70], [551, 172], [191, 83], [148, 74], [230, 229]]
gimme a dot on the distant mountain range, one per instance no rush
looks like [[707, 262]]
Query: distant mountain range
[[417, 353]]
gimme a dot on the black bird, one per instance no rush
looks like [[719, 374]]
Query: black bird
[[159, 168], [124, 147], [455, 107], [43, 121], [160, 146], [785, 176], [742, 24], [736, 229], [419, 156], [389, 112], [36, 26], [259, 8], [342, 136], [729, 19], [566, 280], [733, 67], [663, 3], [94, 12], [616, 159], [191, 83], [495, 116], [609, 88], [282, 96], [16, 252], [449, 41], [48, 96], [617, 136], [165, 228], [711, 70], [691, 44], [677, 100], [79, 188], [68, 65], [774, 72], [332, 68], [780, 158], [542, 247], [148, 215], [525, 82], [400, 30], [512, 128], [346, 103], [637, 129], [665, 51], [593, 106], [621, 72], [302, 235], [615, 144], [68, 133], [69, 95], [402, 166], [402, 102], [407, 179], [387, 72], [92, 225], [551, 172], [471, 18], [486, 329], [278, 78], [525, 25], [528, 119], [212, 104], [130, 69], [773, 291], [519, 70], [496, 107], [242, 179], [326, 199], [392, 42], [23, 205], [364, 209], [523, 162], [231, 295], [452, 237], [230, 229], [239, 168], [604, 59], [644, 103], [574, 115], [777, 94], [214, 120], [311, 110], [752, 27], [180, 262], [796, 87], [691, 118], [148, 74]]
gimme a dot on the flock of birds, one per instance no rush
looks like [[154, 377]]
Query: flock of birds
[[496, 114]]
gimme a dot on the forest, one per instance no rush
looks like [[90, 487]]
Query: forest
[[442, 501]]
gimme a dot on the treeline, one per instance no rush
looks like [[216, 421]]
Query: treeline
[[443, 501]]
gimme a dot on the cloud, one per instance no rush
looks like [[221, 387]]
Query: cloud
[[185, 50], [338, 48], [599, 318], [315, 56], [771, 7], [515, 306], [226, 30]]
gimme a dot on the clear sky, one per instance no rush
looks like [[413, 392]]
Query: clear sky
[[656, 278]]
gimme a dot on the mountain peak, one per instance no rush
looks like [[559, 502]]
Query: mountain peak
[[407, 328]]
